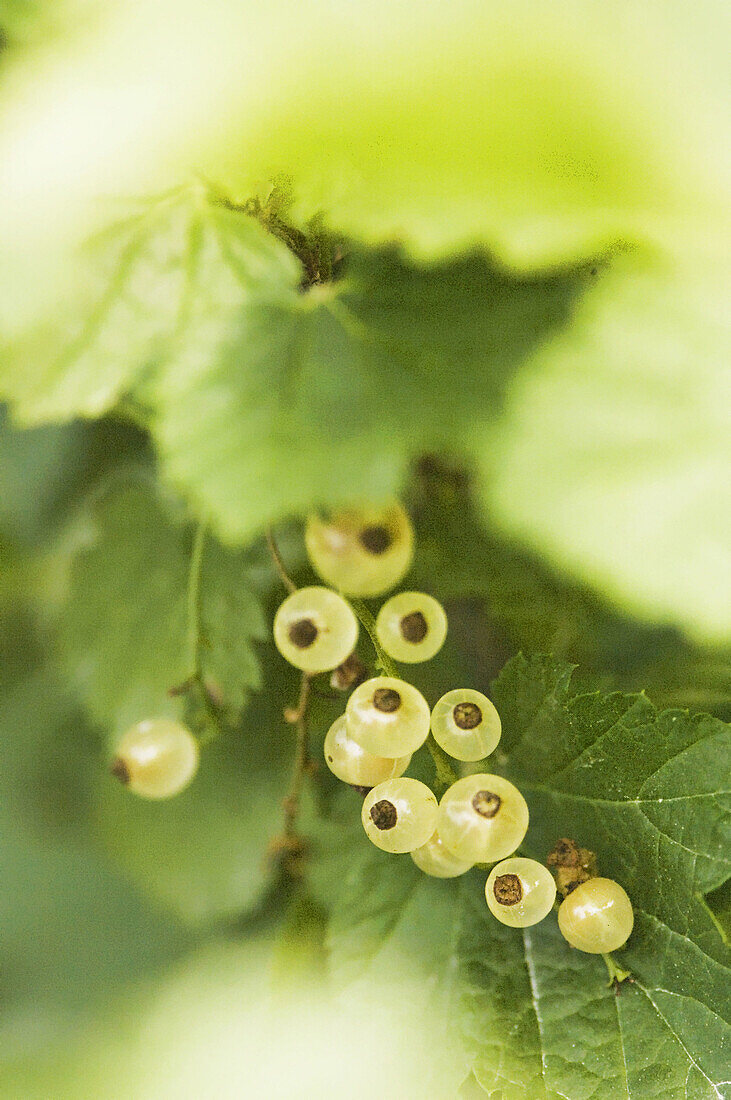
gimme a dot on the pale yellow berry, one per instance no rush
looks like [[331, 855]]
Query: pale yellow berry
[[388, 717], [597, 916], [315, 629], [483, 818], [436, 860], [465, 723], [361, 551], [411, 627], [348, 761], [399, 815], [156, 758], [520, 892]]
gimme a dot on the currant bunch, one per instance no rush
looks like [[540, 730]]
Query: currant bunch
[[482, 818]]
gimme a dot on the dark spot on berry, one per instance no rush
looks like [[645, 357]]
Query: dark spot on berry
[[383, 814], [329, 759], [414, 627], [303, 633], [467, 716], [376, 539], [486, 804], [507, 889], [120, 770], [387, 700]]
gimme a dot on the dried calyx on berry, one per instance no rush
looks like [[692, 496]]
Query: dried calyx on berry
[[572, 865]]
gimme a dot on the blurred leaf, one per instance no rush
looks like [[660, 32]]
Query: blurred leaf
[[502, 599], [127, 301], [544, 134], [125, 635], [283, 400], [613, 458], [641, 789], [73, 929], [205, 854]]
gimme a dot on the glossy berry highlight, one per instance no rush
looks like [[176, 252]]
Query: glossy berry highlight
[[597, 916], [466, 725], [436, 860], [315, 629], [361, 551], [520, 892], [388, 717], [483, 818], [156, 758], [399, 815], [411, 627], [350, 762]]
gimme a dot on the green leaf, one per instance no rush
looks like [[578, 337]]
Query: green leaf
[[505, 599], [280, 401], [125, 640], [126, 631], [126, 301], [534, 1017], [612, 460]]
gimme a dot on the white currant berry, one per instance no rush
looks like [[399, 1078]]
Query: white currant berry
[[315, 629], [520, 892], [436, 860], [466, 725], [350, 762], [388, 717], [399, 815], [361, 551], [596, 916], [156, 758], [483, 818], [411, 627]]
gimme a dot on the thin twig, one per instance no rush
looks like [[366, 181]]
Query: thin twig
[[195, 573], [278, 563], [290, 846], [298, 718]]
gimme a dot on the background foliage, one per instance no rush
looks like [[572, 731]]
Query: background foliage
[[511, 317]]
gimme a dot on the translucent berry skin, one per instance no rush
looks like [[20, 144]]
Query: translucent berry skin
[[597, 916], [411, 627], [315, 629], [436, 860], [348, 761], [466, 725], [400, 815], [156, 758], [388, 717], [361, 551], [520, 892], [482, 818]]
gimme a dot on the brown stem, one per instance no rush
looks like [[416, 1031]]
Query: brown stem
[[297, 716], [278, 563]]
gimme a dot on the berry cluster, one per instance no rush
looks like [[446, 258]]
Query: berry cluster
[[482, 818]]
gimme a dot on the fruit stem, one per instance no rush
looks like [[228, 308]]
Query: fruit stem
[[445, 773], [195, 681], [383, 661], [290, 847], [195, 573], [278, 563], [616, 974]]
